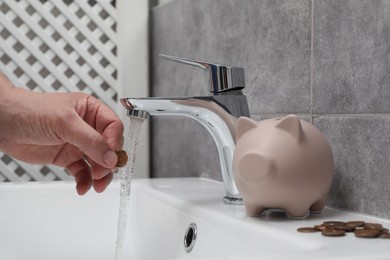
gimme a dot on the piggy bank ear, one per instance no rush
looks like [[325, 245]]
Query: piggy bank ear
[[292, 125], [254, 166], [244, 124]]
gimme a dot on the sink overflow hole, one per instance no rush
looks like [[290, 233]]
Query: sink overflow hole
[[190, 237]]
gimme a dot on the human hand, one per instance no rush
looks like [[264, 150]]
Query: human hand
[[70, 130]]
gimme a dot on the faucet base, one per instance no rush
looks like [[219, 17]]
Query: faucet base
[[233, 201]]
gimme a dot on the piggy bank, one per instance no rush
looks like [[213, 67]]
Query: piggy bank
[[282, 163]]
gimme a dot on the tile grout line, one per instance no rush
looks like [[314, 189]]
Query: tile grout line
[[317, 115], [311, 60]]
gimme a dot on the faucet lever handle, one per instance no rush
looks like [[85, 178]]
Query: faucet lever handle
[[221, 77]]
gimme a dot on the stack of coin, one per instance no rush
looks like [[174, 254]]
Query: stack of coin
[[339, 228]]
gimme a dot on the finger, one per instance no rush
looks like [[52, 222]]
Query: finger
[[83, 182], [113, 134], [89, 141], [67, 155], [82, 173], [105, 121], [98, 171], [101, 184]]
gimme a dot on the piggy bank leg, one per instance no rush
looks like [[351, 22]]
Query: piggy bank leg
[[253, 210], [297, 213], [318, 206]]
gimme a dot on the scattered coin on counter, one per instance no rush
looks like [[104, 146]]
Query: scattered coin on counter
[[367, 233], [385, 231], [333, 223], [355, 224], [332, 232], [372, 226], [385, 235], [320, 227], [307, 230], [344, 227], [361, 229]]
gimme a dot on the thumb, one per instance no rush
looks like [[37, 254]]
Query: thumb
[[91, 143]]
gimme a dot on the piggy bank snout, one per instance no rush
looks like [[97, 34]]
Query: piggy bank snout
[[253, 166]]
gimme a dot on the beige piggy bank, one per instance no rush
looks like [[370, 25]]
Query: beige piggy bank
[[283, 163]]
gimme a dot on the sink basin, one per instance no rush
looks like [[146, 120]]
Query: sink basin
[[49, 221]]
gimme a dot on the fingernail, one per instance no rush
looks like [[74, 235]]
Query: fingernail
[[110, 158]]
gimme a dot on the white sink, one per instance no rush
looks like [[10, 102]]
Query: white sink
[[49, 221]]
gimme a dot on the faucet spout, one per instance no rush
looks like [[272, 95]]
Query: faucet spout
[[138, 113], [209, 112], [218, 112]]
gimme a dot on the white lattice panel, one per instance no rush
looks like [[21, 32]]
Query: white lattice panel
[[57, 46]]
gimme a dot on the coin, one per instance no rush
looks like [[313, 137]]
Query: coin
[[344, 227], [384, 231], [122, 158], [338, 228], [320, 227], [372, 226], [367, 233], [333, 223], [331, 232], [384, 235], [355, 224], [307, 230]]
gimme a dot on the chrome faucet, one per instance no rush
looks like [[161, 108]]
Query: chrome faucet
[[217, 113]]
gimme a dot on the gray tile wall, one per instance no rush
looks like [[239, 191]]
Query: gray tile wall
[[326, 60]]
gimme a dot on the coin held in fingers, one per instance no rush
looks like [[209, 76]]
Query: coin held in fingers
[[122, 158]]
